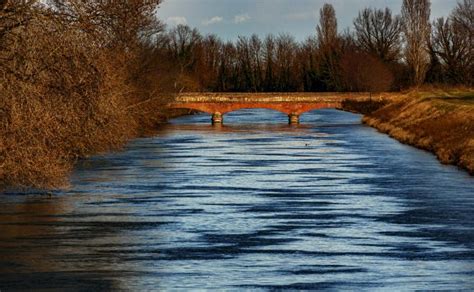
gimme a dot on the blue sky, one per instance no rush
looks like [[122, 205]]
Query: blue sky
[[230, 18]]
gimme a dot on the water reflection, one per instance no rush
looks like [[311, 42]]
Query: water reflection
[[234, 128], [253, 204], [31, 235]]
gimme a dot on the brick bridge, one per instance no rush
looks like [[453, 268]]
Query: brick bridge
[[292, 104]]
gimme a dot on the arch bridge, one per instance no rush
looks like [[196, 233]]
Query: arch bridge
[[291, 104]]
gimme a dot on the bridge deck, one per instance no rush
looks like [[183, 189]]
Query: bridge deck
[[277, 97]]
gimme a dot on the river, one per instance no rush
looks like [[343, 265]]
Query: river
[[255, 204]]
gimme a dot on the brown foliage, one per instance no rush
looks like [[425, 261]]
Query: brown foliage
[[363, 72], [63, 94]]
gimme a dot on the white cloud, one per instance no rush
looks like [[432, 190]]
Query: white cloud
[[241, 18], [213, 20], [176, 20]]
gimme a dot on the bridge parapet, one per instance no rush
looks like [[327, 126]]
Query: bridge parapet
[[267, 97]]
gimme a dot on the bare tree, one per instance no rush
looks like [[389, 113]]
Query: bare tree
[[453, 48], [463, 15], [463, 25], [416, 31], [115, 23], [226, 79], [285, 62], [182, 41], [327, 28], [244, 61], [256, 50], [269, 59], [208, 68], [182, 45], [308, 59], [329, 46], [378, 33]]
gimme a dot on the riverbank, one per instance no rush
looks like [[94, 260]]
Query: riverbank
[[439, 121], [39, 152]]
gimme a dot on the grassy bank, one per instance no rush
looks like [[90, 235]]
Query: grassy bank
[[440, 121]]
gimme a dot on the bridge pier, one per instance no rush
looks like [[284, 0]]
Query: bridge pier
[[217, 118], [293, 119]]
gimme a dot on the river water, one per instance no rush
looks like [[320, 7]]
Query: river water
[[255, 204]]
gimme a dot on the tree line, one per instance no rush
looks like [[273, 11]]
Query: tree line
[[381, 52]]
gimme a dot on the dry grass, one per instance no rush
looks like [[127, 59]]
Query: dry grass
[[440, 120]]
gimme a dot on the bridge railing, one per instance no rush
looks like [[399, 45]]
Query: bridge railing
[[268, 97]]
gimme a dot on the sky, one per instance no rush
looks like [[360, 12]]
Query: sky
[[231, 18]]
